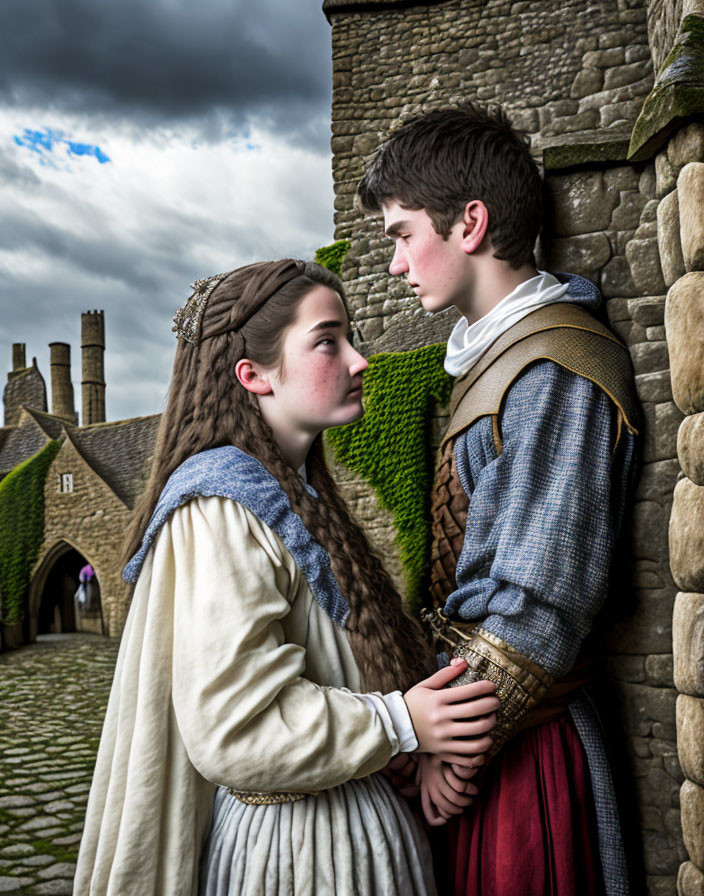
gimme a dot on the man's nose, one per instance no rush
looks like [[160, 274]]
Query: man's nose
[[398, 264]]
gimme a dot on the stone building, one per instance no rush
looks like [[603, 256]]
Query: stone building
[[90, 489], [612, 96]]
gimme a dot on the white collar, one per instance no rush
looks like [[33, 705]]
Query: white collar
[[468, 342]]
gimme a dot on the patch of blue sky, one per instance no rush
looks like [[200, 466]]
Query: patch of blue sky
[[43, 142]]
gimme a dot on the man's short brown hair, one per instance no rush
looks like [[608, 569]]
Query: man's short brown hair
[[444, 159]]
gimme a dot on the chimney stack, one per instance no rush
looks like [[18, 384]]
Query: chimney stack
[[19, 358], [93, 379], [61, 386]]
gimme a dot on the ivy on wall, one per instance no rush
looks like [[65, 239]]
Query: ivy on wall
[[22, 529], [390, 448], [332, 256]]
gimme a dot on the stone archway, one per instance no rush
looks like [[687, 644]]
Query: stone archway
[[52, 603]]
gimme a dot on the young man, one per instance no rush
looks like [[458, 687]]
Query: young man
[[530, 493]]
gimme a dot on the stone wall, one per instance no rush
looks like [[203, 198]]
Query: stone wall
[[92, 519], [681, 234], [572, 70], [574, 75], [603, 225]]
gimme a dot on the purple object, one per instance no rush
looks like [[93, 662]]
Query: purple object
[[86, 573]]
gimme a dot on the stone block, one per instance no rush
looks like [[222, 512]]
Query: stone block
[[588, 81], [690, 447], [649, 540], [654, 386], [691, 192], [669, 244], [690, 737], [616, 279], [692, 805], [581, 203], [658, 670], [688, 644], [626, 74], [649, 357], [684, 322], [646, 182], [665, 175], [626, 668], [648, 629], [661, 425], [687, 145], [583, 254], [690, 880], [657, 481], [650, 212], [648, 311], [623, 178], [627, 213], [687, 536], [644, 261]]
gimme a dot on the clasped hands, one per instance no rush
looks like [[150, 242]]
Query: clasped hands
[[451, 726]]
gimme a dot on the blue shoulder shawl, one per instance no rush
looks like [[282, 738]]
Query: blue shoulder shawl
[[229, 472]]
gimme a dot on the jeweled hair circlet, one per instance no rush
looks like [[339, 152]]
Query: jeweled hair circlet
[[188, 321], [189, 318]]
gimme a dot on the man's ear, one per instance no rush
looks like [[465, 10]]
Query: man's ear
[[476, 223], [253, 379]]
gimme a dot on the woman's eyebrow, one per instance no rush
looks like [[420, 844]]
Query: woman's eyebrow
[[325, 325]]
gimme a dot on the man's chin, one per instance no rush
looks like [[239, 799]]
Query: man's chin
[[431, 305]]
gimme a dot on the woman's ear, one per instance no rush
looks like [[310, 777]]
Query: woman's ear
[[476, 224], [253, 379]]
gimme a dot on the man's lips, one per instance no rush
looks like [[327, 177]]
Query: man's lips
[[355, 392]]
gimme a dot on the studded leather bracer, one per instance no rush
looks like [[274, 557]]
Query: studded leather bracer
[[520, 683]]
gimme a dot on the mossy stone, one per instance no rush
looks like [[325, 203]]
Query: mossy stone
[[678, 92]]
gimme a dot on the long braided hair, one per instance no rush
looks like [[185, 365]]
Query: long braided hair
[[247, 315]]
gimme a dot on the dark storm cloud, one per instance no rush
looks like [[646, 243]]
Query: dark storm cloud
[[222, 62]]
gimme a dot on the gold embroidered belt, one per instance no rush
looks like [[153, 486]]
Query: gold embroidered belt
[[254, 798]]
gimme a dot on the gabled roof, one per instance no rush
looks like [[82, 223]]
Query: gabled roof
[[119, 453], [21, 442], [49, 423]]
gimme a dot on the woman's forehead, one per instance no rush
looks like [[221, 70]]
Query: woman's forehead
[[321, 305]]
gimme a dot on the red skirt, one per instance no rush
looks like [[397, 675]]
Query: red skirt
[[531, 831]]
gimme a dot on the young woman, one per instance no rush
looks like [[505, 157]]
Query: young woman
[[257, 688]]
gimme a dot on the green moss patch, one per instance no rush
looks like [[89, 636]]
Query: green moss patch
[[332, 256], [390, 448], [21, 529]]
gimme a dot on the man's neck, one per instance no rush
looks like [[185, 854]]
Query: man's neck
[[492, 286]]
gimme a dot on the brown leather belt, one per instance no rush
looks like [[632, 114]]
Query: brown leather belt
[[558, 695]]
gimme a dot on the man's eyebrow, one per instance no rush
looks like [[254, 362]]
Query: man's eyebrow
[[325, 325], [396, 228]]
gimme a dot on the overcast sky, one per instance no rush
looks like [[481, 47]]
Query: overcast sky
[[144, 144]]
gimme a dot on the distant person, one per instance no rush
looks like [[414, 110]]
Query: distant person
[[533, 481], [259, 684]]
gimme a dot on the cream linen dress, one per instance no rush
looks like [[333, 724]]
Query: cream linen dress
[[230, 673]]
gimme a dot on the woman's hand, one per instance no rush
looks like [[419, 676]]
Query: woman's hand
[[442, 793], [402, 772], [440, 715]]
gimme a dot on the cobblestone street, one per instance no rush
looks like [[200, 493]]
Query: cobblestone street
[[53, 696]]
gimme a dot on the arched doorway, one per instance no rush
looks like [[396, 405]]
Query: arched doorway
[[64, 594]]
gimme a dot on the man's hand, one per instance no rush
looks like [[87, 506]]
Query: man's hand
[[442, 793], [401, 771]]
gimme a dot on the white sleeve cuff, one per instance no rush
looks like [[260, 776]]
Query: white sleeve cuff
[[393, 713]]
